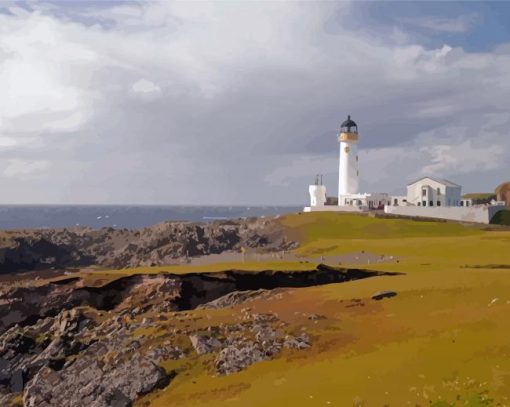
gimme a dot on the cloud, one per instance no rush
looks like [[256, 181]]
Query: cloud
[[462, 158], [225, 103], [40, 75], [447, 151], [146, 89], [24, 168], [301, 167], [8, 142], [457, 25]]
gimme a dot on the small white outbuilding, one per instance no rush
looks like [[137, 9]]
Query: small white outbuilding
[[317, 195], [431, 191]]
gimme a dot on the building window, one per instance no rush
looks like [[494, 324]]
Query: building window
[[438, 191], [449, 202], [431, 203], [419, 203], [423, 192], [461, 203], [438, 203], [424, 203], [404, 200], [467, 203]]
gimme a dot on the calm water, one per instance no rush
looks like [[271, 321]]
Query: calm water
[[123, 216]]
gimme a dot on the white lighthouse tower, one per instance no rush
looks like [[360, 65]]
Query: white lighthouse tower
[[349, 197], [348, 167]]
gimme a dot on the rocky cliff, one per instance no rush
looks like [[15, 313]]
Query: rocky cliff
[[63, 343], [118, 248]]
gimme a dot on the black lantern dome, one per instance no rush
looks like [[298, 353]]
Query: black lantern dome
[[349, 126]]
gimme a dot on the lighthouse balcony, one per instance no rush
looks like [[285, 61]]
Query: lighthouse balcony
[[347, 136]]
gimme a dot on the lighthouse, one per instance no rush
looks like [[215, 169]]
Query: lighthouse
[[348, 167], [349, 197]]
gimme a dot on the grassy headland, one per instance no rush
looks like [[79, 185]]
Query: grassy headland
[[442, 341]]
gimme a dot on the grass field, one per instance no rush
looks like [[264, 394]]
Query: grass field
[[444, 340], [480, 195], [438, 340]]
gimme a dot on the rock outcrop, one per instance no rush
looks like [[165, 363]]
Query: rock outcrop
[[65, 343], [87, 382], [204, 343], [159, 244], [159, 292], [25, 351], [239, 355], [238, 297]]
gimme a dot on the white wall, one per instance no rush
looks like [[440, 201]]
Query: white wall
[[333, 208], [377, 199], [317, 195], [478, 213], [435, 192], [398, 200]]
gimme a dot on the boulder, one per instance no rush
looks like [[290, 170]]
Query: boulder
[[297, 342], [90, 382], [237, 297], [236, 357], [166, 353], [204, 343], [265, 333], [383, 294]]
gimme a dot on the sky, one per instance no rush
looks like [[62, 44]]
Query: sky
[[239, 103]]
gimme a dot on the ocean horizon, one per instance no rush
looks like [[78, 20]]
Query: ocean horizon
[[22, 216]]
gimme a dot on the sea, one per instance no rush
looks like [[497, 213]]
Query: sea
[[124, 216]]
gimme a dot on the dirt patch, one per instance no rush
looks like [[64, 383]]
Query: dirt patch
[[354, 258]]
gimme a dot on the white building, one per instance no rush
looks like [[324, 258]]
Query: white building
[[428, 197], [466, 202], [349, 197], [431, 197], [398, 200], [317, 193], [374, 200], [429, 191]]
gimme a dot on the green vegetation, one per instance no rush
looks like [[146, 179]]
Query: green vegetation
[[442, 338], [501, 218], [442, 341], [329, 225], [480, 195]]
